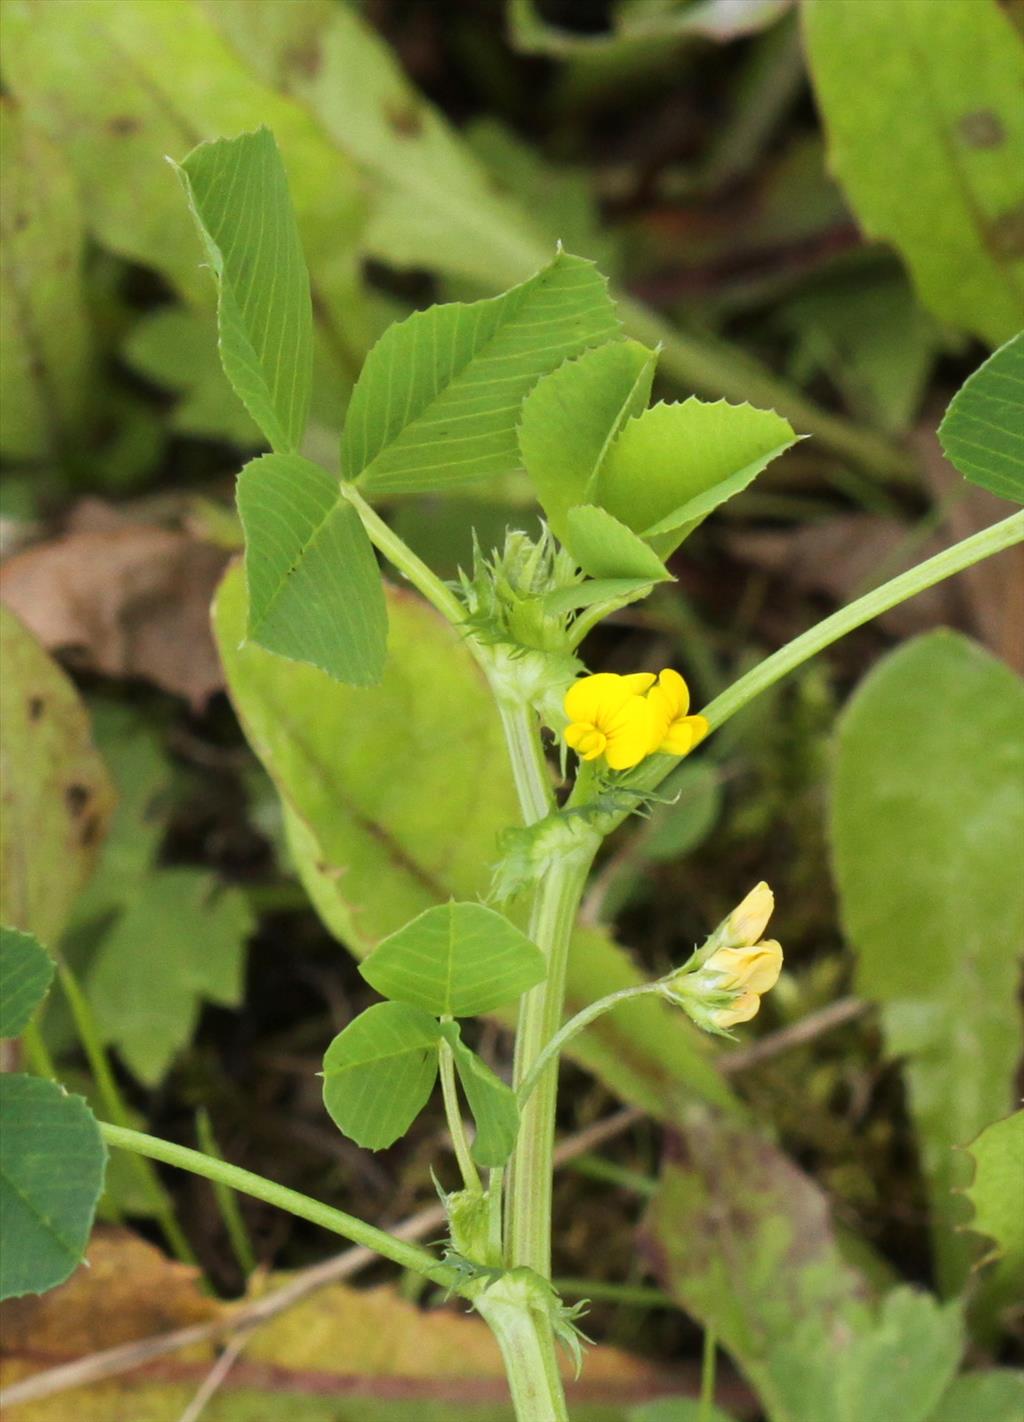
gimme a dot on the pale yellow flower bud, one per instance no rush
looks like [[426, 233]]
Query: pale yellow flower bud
[[748, 921]]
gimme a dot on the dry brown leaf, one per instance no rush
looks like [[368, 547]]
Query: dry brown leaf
[[128, 1290], [341, 1355], [128, 601]]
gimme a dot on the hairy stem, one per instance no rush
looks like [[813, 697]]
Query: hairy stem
[[526, 756], [407, 1256], [528, 1350], [540, 1015]]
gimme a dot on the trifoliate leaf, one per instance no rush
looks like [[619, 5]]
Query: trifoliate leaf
[[380, 1071], [52, 1159], [238, 192], [455, 960], [26, 971], [439, 396]]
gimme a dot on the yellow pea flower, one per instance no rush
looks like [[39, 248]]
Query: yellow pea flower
[[753, 969], [750, 972], [674, 732], [610, 716]]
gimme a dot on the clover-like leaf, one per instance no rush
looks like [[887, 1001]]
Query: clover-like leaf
[[52, 1161], [982, 432], [439, 396], [673, 464], [491, 1101], [995, 1192], [571, 416], [606, 549], [238, 192], [379, 1072], [26, 971], [315, 592], [455, 960]]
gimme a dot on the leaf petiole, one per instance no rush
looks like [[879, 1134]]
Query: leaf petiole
[[407, 1256]]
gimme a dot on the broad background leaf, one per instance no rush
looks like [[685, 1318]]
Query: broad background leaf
[[44, 330], [438, 400], [949, 133], [238, 193], [181, 941], [58, 796], [927, 823], [455, 960], [26, 971], [117, 87], [51, 1174], [315, 592], [374, 169], [379, 1072], [743, 1241], [491, 1100], [983, 429], [683, 1409], [368, 845]]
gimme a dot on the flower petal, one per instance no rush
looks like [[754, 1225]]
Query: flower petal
[[584, 699], [586, 740], [742, 1010], [630, 741], [638, 682], [674, 689], [754, 969]]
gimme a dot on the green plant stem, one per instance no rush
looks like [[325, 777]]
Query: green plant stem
[[453, 1114], [407, 1256], [526, 756], [554, 1045], [38, 1053], [113, 1102], [527, 1348], [951, 560], [495, 1215], [540, 1015], [400, 555]]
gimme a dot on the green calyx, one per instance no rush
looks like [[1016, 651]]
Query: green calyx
[[527, 645]]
